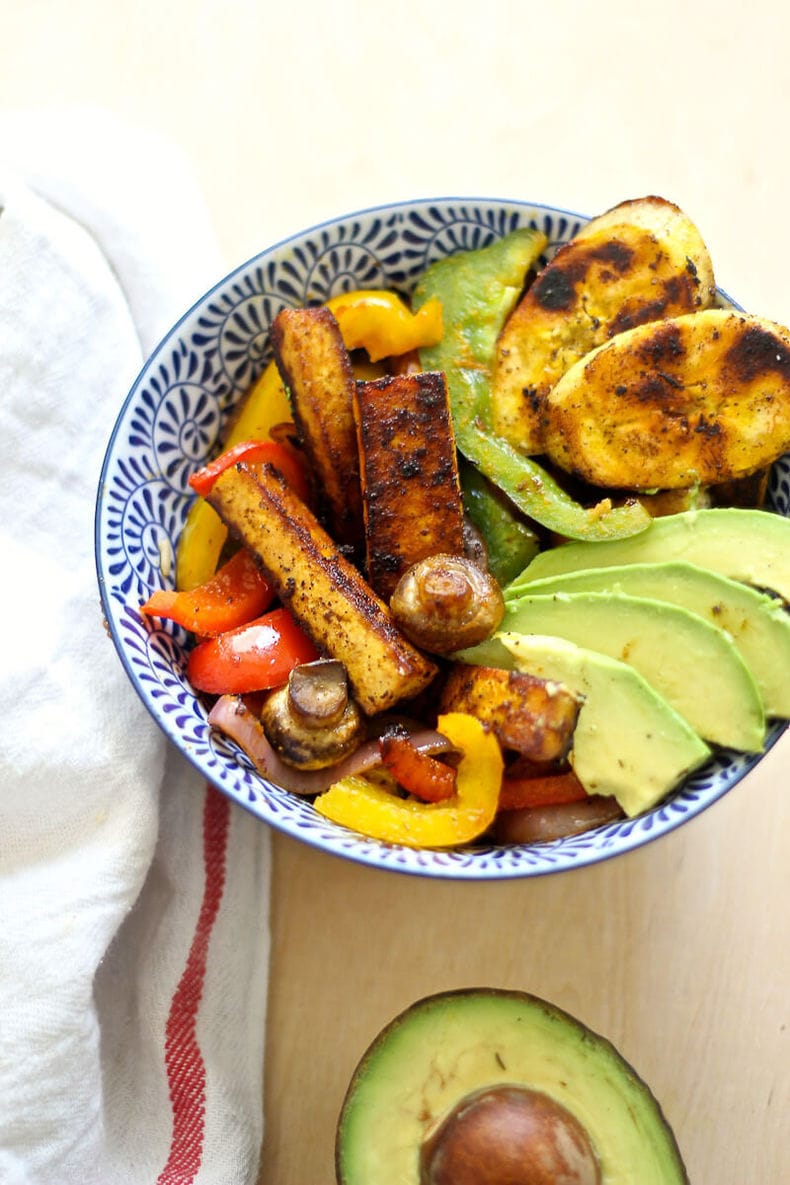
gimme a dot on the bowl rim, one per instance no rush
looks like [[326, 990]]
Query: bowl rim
[[474, 862]]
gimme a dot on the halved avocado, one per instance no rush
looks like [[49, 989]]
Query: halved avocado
[[482, 1085]]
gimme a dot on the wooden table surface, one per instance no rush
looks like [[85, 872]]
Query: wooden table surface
[[680, 952]]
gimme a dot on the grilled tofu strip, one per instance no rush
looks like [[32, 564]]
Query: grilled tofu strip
[[411, 491], [324, 591], [640, 261], [532, 716], [316, 369], [703, 399]]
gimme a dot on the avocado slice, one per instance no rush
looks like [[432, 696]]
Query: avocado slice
[[694, 665], [752, 546], [628, 741], [691, 663], [758, 624], [489, 1078]]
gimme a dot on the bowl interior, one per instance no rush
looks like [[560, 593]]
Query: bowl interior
[[168, 426]]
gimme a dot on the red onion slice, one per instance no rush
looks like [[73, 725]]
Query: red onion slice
[[542, 824], [231, 716]]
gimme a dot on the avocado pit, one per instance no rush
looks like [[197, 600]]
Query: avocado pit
[[509, 1135]]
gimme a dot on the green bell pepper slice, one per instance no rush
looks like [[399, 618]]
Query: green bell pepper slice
[[511, 542]]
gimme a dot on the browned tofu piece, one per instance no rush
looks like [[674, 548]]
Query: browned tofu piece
[[411, 491], [315, 366], [324, 591], [533, 716]]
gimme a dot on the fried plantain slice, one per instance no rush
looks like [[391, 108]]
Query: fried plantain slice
[[699, 399], [640, 261]]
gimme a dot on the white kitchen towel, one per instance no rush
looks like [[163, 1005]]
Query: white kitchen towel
[[133, 898]]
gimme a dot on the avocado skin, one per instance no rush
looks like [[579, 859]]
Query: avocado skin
[[452, 1044]]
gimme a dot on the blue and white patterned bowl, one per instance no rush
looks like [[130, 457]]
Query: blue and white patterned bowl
[[171, 421]]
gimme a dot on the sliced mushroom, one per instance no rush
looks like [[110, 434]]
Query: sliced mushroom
[[318, 692], [311, 722], [446, 603]]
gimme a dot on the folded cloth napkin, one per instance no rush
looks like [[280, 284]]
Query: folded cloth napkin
[[133, 898]]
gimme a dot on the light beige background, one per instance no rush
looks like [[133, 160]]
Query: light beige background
[[291, 113]]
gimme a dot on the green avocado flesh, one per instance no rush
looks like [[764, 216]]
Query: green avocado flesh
[[628, 741], [752, 546], [691, 663], [758, 625], [451, 1045]]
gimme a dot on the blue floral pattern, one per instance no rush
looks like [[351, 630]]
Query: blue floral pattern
[[171, 422]]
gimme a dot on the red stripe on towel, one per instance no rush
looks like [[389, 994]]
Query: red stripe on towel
[[186, 1071]]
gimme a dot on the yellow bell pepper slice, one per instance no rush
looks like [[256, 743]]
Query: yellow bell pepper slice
[[381, 322], [359, 804], [265, 406], [199, 546], [204, 533]]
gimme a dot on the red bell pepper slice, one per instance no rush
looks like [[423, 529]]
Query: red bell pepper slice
[[419, 773], [236, 594], [282, 456], [255, 657], [544, 790]]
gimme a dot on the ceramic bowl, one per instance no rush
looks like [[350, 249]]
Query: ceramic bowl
[[168, 426]]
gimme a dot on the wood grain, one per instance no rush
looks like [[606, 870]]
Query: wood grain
[[679, 953]]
